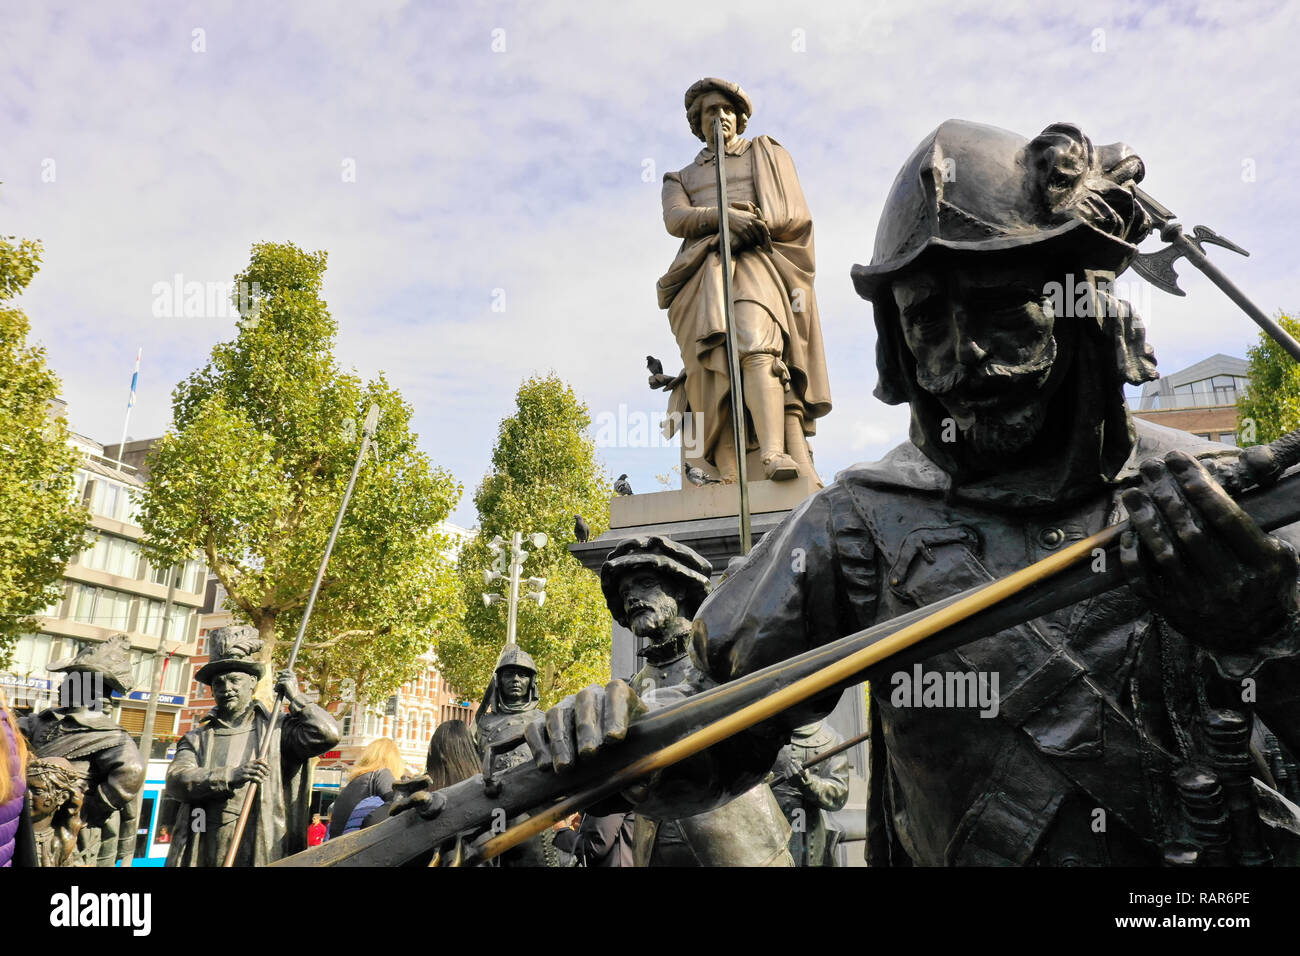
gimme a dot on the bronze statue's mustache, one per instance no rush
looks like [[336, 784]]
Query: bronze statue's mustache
[[1007, 376]]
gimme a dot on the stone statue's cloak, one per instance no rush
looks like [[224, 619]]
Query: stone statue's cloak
[[691, 291]]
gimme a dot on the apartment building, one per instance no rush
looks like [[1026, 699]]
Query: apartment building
[[110, 588]]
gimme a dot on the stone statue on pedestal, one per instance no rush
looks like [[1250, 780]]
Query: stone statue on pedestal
[[777, 328]]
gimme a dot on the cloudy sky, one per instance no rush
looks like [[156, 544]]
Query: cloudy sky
[[442, 151]]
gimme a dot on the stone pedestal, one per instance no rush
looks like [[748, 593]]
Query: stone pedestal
[[705, 519]]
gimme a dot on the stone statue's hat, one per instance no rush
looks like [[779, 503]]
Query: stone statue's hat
[[232, 649], [712, 84], [512, 655], [111, 658], [661, 555]]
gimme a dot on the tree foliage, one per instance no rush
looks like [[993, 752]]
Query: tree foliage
[[544, 471], [253, 471], [1271, 406], [41, 527]]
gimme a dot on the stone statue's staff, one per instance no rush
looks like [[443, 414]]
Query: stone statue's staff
[[663, 737], [733, 357], [1158, 267], [250, 796]]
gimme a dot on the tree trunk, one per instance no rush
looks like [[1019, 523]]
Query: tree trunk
[[265, 622]]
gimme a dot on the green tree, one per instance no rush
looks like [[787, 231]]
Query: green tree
[[253, 471], [41, 527], [1271, 406], [544, 471]]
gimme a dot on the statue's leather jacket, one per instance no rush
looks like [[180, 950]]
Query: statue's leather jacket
[[1075, 766]]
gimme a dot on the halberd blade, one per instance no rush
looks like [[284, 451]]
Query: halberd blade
[[1158, 269], [1203, 234]]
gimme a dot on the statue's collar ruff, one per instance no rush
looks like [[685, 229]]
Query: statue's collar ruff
[[738, 148]]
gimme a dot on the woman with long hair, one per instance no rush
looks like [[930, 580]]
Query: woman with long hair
[[452, 757], [13, 782], [370, 784]]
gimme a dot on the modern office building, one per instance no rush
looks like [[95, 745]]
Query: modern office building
[[1201, 398], [110, 588]]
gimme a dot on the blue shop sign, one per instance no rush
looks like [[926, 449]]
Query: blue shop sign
[[144, 695]]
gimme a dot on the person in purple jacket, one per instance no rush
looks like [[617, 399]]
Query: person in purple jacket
[[13, 783]]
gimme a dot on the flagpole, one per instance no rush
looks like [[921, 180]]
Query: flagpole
[[130, 403]]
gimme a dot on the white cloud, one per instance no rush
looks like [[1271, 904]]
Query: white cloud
[[522, 170]]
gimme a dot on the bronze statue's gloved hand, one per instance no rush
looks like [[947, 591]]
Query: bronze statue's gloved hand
[[581, 725], [255, 771], [286, 685], [413, 793], [1202, 562]]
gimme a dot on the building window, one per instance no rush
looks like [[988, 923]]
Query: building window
[[347, 725], [31, 654], [174, 676], [101, 606]]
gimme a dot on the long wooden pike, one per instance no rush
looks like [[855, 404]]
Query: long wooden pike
[[733, 357], [663, 737], [250, 796]]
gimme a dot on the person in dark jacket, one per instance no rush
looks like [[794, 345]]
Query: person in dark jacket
[[600, 841], [369, 787]]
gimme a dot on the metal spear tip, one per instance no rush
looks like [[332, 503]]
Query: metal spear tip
[[372, 421]]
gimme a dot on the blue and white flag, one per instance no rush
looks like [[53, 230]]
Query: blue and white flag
[[135, 379]]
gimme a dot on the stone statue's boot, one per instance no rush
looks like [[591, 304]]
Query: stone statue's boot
[[796, 444], [765, 397], [724, 456], [780, 466]]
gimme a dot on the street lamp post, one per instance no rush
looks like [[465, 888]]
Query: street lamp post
[[509, 565]]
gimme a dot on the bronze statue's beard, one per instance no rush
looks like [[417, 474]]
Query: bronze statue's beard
[[988, 426], [650, 619], [1006, 434]]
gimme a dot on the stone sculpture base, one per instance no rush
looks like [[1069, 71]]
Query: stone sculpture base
[[707, 502]]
